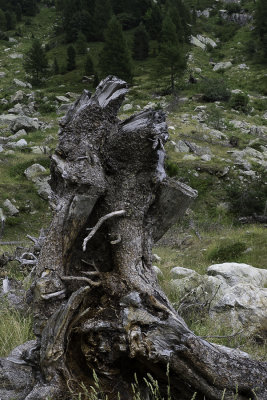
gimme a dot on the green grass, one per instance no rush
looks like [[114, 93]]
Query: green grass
[[15, 329]]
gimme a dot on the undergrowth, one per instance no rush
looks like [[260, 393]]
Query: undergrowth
[[15, 329]]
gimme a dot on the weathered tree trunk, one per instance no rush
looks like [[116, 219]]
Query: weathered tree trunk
[[97, 303]]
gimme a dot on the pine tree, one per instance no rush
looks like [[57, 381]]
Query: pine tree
[[102, 15], [171, 60], [89, 66], [2, 20], [35, 62], [71, 58], [18, 11], [140, 43], [10, 20], [81, 43], [29, 7], [153, 21], [55, 67], [181, 18], [261, 27], [115, 58]]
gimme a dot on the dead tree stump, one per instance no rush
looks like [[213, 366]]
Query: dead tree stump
[[97, 304]]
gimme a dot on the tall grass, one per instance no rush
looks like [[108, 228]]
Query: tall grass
[[15, 329]]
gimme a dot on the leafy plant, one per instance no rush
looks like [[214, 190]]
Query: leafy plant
[[239, 101], [226, 251], [214, 89]]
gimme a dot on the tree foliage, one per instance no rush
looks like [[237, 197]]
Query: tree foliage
[[102, 15], [89, 66], [140, 43], [115, 58], [35, 62], [261, 26], [71, 58], [171, 59], [81, 43]]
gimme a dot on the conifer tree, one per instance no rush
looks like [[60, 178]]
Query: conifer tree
[[18, 11], [71, 58], [115, 58], [171, 60], [55, 67], [261, 27], [29, 7], [140, 43], [89, 66], [153, 21], [2, 20], [102, 15], [35, 62], [81, 43], [10, 20]]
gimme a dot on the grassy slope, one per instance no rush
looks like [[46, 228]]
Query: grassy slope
[[211, 222]]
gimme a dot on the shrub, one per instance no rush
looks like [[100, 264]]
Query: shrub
[[214, 90], [233, 8], [226, 251], [46, 108], [172, 168], [245, 200], [215, 117], [239, 101]]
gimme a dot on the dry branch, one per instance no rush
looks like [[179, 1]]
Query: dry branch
[[99, 223]]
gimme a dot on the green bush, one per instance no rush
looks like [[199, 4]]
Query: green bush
[[248, 199], [215, 117], [172, 168], [233, 8], [260, 104], [46, 108], [226, 251], [214, 89], [239, 101]]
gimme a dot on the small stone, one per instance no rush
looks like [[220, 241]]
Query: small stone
[[22, 84], [243, 66], [189, 157], [62, 99], [155, 257], [180, 272], [157, 270], [206, 157], [19, 144], [207, 41], [197, 42], [181, 147], [222, 66], [127, 107], [15, 55], [34, 171], [18, 96], [11, 209], [40, 149]]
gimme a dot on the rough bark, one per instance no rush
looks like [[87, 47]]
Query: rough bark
[[98, 306]]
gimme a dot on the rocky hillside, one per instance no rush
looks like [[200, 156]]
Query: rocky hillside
[[218, 138]]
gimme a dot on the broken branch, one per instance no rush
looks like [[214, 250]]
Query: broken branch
[[99, 223], [82, 279]]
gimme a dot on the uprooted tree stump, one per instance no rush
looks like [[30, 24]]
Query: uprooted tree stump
[[96, 301]]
